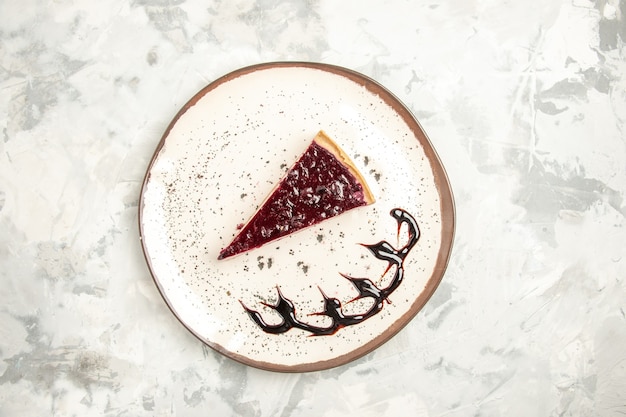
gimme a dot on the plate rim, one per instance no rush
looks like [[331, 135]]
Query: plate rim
[[442, 185]]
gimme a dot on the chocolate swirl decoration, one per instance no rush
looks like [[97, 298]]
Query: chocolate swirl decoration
[[382, 250]]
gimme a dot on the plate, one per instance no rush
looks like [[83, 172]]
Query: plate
[[323, 296]]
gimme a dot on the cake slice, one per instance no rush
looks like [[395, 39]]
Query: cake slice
[[322, 184]]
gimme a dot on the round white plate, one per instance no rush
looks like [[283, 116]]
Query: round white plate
[[218, 159]]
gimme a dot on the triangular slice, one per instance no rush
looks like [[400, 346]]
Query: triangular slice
[[323, 183]]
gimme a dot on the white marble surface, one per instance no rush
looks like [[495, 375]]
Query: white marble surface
[[524, 101]]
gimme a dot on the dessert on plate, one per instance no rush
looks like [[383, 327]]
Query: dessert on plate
[[321, 184]]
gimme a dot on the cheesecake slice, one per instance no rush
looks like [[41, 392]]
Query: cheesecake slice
[[323, 183]]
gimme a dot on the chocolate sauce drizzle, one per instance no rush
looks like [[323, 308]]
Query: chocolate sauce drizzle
[[382, 250]]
